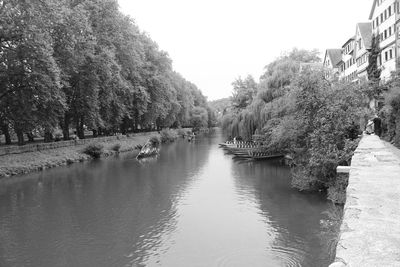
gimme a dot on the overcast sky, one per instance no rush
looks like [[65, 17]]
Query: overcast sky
[[212, 42]]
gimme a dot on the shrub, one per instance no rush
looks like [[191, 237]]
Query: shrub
[[168, 135], [181, 132], [93, 150], [58, 135], [116, 147], [155, 141]]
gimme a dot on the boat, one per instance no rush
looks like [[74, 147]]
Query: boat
[[262, 155], [151, 148]]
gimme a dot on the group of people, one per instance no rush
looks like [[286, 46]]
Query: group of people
[[374, 126]]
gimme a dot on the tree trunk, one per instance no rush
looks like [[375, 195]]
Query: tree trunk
[[79, 128], [95, 133], [66, 127], [20, 136], [48, 136], [6, 132]]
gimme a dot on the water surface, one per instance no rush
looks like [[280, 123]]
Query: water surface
[[192, 206]]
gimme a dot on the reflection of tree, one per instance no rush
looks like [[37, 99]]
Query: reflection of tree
[[94, 214], [296, 216]]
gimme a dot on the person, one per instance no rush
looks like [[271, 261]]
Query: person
[[377, 125], [369, 129]]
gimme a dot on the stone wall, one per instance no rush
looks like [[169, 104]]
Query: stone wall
[[370, 231]]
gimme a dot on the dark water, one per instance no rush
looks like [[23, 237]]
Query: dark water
[[193, 206]]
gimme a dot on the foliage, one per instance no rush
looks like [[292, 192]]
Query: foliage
[[373, 70], [168, 135], [298, 112], [199, 118], [181, 132], [155, 141], [390, 113], [94, 150], [87, 66], [116, 147]]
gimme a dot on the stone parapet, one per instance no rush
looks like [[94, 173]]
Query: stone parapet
[[370, 231]]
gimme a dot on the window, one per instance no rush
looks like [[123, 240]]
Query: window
[[390, 30], [385, 34], [381, 17], [385, 14], [377, 22], [386, 56], [390, 54], [390, 11]]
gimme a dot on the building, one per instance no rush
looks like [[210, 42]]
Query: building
[[384, 14], [363, 42], [348, 66], [332, 59]]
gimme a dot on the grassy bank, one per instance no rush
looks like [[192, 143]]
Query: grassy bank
[[16, 164]]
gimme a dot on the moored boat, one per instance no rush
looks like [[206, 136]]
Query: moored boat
[[151, 148]]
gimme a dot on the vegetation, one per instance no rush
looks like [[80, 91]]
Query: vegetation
[[295, 110], [74, 66], [94, 150], [116, 147], [390, 111], [168, 135], [155, 141]]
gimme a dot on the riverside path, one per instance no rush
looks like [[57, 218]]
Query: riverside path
[[370, 231]]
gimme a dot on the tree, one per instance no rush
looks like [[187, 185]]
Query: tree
[[199, 118], [30, 76], [373, 70], [243, 92]]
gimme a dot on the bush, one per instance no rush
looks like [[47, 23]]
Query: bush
[[168, 135], [116, 147], [155, 141], [94, 150], [58, 135], [181, 132]]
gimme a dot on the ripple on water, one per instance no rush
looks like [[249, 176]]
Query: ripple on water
[[280, 257]]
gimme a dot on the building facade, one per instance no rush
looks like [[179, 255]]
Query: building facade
[[348, 66], [384, 14], [363, 42]]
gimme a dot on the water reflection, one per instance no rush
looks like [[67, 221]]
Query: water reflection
[[193, 206]]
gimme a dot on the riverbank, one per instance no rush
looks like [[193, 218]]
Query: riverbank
[[370, 234], [23, 163]]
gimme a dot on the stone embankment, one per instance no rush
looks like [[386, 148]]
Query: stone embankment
[[370, 231], [21, 160]]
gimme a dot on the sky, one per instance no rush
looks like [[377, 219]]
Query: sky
[[214, 42]]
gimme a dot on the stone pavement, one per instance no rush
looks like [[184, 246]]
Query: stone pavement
[[370, 232]]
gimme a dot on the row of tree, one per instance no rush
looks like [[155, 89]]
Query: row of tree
[[294, 109], [83, 65]]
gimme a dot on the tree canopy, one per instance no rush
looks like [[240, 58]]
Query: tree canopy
[[83, 65]]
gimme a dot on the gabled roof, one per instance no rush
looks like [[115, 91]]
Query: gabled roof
[[373, 9], [348, 41], [335, 55], [366, 33]]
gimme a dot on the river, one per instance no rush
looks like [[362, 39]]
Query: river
[[192, 206]]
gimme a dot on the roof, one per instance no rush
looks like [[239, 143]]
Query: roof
[[366, 33], [373, 9], [335, 55], [352, 38]]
